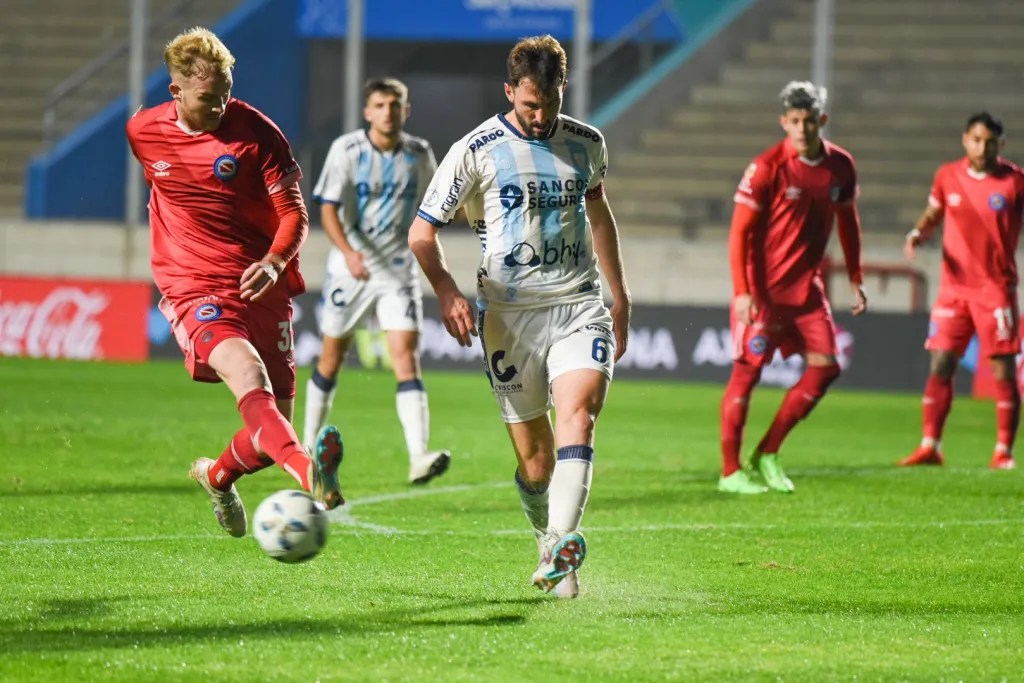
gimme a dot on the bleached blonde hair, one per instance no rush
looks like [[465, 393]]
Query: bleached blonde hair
[[803, 95], [198, 52]]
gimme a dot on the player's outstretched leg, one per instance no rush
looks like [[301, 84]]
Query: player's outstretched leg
[[561, 556], [326, 458], [768, 465], [227, 505]]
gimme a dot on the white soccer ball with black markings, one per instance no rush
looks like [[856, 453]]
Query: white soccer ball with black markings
[[290, 527]]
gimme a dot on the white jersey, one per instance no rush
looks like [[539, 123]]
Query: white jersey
[[376, 194], [525, 200]]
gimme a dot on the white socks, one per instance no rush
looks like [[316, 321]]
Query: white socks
[[319, 399], [569, 488], [414, 414], [534, 497]]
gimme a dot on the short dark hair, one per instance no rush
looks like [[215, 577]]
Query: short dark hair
[[392, 86], [994, 125], [803, 95], [539, 58]]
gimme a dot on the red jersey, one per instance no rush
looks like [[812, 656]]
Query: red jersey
[[797, 201], [210, 209], [982, 222]]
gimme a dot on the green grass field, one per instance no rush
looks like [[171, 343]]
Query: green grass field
[[113, 568]]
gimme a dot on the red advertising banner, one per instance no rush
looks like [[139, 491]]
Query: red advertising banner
[[80, 319]]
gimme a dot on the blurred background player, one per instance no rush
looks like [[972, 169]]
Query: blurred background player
[[227, 221], [979, 200], [369, 188], [532, 183], [785, 206]]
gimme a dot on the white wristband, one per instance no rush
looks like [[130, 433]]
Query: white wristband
[[913, 234]]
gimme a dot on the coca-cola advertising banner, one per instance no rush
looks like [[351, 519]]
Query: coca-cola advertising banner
[[686, 343], [78, 319]]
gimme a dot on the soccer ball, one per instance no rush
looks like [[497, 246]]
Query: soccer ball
[[290, 527]]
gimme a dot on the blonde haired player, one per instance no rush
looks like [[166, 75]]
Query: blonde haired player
[[531, 181], [227, 220]]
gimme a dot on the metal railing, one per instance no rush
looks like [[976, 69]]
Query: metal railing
[[73, 83], [633, 49]]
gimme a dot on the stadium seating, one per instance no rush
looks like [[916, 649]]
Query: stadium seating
[[905, 77], [42, 44]]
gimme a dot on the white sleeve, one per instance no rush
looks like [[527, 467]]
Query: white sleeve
[[330, 188], [451, 186], [427, 169], [601, 167]]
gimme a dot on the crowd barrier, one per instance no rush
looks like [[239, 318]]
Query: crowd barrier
[[119, 321]]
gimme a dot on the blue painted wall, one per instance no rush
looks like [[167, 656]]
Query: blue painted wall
[[83, 175]]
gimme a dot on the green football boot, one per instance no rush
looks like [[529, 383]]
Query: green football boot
[[740, 482]]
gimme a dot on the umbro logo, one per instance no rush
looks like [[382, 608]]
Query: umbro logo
[[793, 193], [953, 199], [161, 168]]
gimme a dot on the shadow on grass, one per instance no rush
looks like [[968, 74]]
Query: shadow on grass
[[39, 635], [96, 489]]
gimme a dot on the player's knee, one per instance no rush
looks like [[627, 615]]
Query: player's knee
[[744, 376], [251, 375], [1003, 368], [580, 423], [943, 364]]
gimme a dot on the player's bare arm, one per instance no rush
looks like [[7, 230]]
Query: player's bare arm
[[293, 227], [848, 223], [336, 233], [456, 312], [744, 218], [609, 254], [923, 228]]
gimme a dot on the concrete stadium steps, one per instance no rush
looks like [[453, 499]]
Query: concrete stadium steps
[[939, 12], [905, 77], [963, 79], [43, 42], [856, 55]]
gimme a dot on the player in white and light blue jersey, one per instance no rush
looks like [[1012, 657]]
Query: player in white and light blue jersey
[[531, 182], [369, 188]]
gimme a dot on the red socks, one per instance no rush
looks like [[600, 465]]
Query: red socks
[[735, 404], [798, 404], [935, 405], [273, 434], [1007, 412], [240, 457]]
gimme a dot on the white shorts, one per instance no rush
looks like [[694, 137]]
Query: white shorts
[[526, 350], [395, 297]]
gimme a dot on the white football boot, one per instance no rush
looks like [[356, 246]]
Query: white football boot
[[227, 505], [426, 467]]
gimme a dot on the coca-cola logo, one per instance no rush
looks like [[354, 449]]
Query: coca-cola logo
[[63, 324]]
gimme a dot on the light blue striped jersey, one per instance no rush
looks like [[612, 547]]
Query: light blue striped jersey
[[376, 193], [525, 200]]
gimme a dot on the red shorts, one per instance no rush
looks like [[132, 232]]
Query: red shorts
[[955, 320], [790, 329], [202, 323]]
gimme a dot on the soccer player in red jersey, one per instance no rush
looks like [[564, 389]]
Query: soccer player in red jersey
[[785, 206], [979, 199], [227, 220]]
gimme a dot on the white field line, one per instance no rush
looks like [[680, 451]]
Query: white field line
[[345, 522]]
